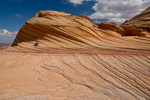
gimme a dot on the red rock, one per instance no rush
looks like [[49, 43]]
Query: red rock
[[110, 26], [124, 30], [86, 18]]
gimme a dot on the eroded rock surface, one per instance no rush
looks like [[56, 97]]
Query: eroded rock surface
[[76, 60], [141, 20], [124, 30], [76, 76], [63, 30]]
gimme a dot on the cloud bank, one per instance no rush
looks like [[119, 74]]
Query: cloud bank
[[6, 36], [115, 10]]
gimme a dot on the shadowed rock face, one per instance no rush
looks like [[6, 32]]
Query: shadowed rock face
[[124, 30], [141, 20]]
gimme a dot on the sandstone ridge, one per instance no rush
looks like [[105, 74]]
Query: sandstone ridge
[[63, 30], [141, 20]]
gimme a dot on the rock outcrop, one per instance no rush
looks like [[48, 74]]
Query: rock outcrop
[[123, 30], [141, 20], [63, 30], [86, 18]]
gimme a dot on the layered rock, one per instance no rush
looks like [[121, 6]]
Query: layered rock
[[63, 30], [75, 60], [123, 30], [86, 18], [75, 76], [141, 20]]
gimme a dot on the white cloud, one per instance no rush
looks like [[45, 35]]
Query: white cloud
[[18, 15], [96, 21], [76, 2], [6, 36], [85, 13], [118, 11], [64, 2], [115, 10]]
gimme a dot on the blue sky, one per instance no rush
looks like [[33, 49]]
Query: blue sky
[[14, 13]]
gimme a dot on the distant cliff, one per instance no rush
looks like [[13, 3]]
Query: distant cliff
[[4, 46]]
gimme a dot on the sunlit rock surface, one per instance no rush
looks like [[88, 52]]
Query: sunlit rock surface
[[76, 60], [62, 30], [76, 76]]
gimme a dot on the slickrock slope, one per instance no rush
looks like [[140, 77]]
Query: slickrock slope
[[76, 60], [75, 76]]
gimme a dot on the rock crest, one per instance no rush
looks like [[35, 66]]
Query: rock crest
[[63, 30]]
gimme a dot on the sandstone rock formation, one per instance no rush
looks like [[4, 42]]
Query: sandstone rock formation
[[75, 76], [62, 30], [141, 20], [76, 60], [124, 30], [85, 17]]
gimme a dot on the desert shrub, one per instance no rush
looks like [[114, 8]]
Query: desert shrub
[[40, 15]]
